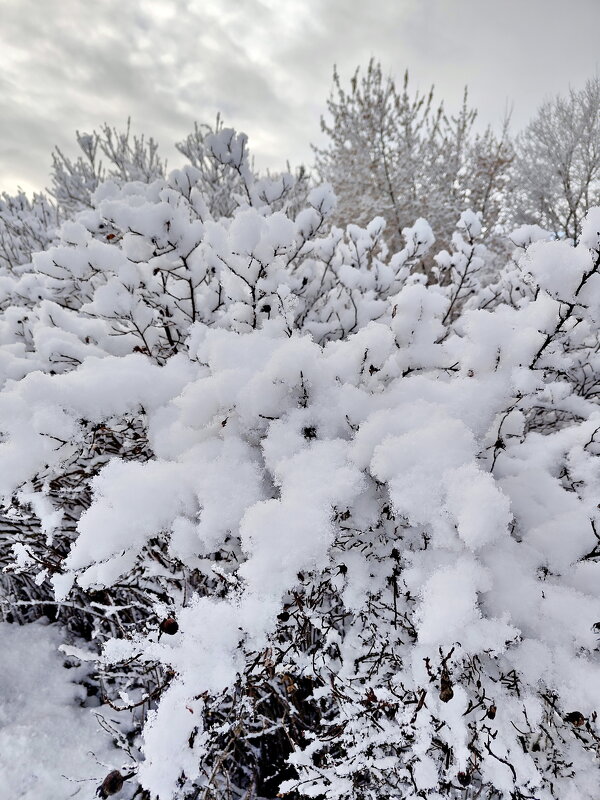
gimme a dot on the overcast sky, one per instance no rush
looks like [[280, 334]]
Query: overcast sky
[[265, 64]]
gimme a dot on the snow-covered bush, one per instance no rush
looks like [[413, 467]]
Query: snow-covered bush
[[127, 158], [334, 527], [220, 183], [26, 226]]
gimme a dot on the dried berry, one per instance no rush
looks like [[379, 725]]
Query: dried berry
[[575, 718], [464, 778], [491, 712], [283, 617], [169, 626], [112, 784]]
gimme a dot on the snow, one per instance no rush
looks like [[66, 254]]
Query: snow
[[326, 465], [50, 746]]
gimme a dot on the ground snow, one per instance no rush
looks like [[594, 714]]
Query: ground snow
[[46, 737]]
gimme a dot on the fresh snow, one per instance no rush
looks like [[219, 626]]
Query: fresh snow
[[51, 744]]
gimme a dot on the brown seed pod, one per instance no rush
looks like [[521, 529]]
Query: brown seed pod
[[446, 693], [112, 784], [446, 690], [491, 712], [575, 718], [170, 626]]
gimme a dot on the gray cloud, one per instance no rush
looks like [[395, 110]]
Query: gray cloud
[[266, 64]]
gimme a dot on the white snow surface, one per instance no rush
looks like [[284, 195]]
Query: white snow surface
[[46, 737]]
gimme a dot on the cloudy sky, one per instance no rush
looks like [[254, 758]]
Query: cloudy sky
[[265, 64]]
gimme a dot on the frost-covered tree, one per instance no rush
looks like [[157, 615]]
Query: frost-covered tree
[[558, 164], [402, 156], [327, 527]]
